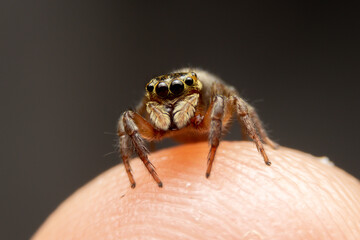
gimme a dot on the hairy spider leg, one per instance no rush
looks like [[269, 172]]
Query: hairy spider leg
[[217, 110], [128, 126], [246, 121], [126, 151], [261, 130]]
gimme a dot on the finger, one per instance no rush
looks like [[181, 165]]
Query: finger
[[298, 197]]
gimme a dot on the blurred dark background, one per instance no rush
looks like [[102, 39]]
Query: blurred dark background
[[70, 68]]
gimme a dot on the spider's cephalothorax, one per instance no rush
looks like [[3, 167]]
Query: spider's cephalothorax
[[172, 100], [188, 105]]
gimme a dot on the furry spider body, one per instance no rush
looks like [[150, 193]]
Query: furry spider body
[[188, 105]]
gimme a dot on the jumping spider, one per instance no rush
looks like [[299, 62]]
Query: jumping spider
[[188, 105]]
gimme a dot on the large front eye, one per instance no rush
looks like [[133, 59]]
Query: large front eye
[[162, 89], [177, 87]]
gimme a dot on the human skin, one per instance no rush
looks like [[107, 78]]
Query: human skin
[[298, 197]]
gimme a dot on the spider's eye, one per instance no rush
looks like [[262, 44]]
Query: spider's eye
[[150, 88], [176, 87], [189, 81], [162, 89]]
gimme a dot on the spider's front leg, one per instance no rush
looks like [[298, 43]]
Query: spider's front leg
[[214, 117], [130, 128]]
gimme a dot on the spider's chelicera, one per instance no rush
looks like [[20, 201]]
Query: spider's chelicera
[[188, 105]]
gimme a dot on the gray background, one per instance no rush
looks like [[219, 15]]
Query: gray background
[[70, 68]]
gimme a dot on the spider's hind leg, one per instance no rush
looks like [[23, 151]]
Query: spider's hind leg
[[259, 126], [249, 123]]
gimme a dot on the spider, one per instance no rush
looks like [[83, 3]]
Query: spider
[[187, 105]]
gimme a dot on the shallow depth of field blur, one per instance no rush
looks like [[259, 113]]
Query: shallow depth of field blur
[[69, 69]]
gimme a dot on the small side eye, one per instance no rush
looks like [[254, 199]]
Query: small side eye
[[150, 88], [189, 81]]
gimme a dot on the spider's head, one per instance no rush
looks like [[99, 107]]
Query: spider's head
[[172, 86]]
